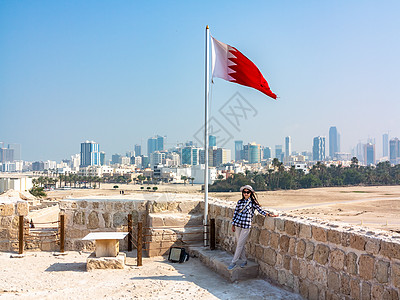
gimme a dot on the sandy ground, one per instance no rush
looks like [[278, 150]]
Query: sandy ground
[[374, 207], [40, 275]]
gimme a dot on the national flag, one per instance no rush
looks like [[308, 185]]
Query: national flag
[[230, 64]]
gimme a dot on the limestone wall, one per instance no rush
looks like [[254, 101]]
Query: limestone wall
[[319, 260], [9, 215]]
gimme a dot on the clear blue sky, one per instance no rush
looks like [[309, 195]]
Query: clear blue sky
[[118, 72]]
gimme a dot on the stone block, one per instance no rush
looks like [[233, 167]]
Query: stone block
[[107, 220], [303, 269], [274, 242], [118, 262], [259, 220], [269, 223], [269, 271], [295, 267], [96, 205], [305, 231], [313, 292], [336, 259], [344, 284], [157, 207], [254, 235], [334, 236], [269, 256], [303, 287], [319, 233], [309, 252], [284, 243], [390, 294], [93, 220], [264, 237], [345, 239], [321, 254], [390, 249], [365, 291], [82, 203], [300, 248], [292, 228], [5, 222], [259, 252], [292, 246], [377, 292], [351, 263], [357, 241], [22, 208], [311, 272], [6, 209], [321, 276], [286, 262], [366, 265], [373, 246], [280, 224], [355, 291], [120, 219], [172, 206], [334, 282], [382, 271], [331, 296], [396, 274], [79, 218]]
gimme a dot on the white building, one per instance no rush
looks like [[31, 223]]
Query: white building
[[198, 174], [19, 183]]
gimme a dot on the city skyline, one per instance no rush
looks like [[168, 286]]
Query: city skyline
[[331, 64]]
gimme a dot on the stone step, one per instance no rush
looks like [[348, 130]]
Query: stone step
[[219, 261]]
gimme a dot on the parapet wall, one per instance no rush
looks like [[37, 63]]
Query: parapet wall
[[319, 260], [9, 218]]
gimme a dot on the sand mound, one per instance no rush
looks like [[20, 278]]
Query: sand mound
[[10, 196]]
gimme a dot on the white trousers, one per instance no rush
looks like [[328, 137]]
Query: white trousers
[[241, 237]]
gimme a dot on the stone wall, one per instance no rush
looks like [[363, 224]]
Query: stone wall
[[319, 260], [9, 218]]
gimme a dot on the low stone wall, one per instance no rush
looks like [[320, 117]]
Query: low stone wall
[[319, 260], [9, 218]]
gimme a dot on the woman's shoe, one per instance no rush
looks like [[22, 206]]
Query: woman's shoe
[[231, 266], [243, 264]]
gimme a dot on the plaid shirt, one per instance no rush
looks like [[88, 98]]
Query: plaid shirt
[[243, 217]]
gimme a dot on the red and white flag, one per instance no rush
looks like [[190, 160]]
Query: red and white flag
[[230, 64]]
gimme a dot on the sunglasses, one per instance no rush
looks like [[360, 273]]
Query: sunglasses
[[246, 192]]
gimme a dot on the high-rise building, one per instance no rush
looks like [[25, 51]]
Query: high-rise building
[[156, 158], [333, 142], [394, 150], [254, 153], [138, 150], [288, 146], [319, 148], [267, 153], [238, 150], [116, 159], [102, 158], [190, 156], [369, 154], [212, 140], [156, 143], [279, 152], [6, 155], [90, 155], [385, 145], [17, 150], [221, 156]]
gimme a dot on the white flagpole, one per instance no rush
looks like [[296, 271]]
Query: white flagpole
[[206, 136]]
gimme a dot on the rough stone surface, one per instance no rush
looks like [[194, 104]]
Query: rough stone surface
[[300, 248], [94, 262], [305, 231], [373, 246], [382, 271], [270, 256], [357, 242], [390, 249], [93, 220], [334, 236], [284, 243], [321, 254], [319, 234], [365, 291], [334, 281], [355, 291], [292, 228], [367, 266], [396, 274], [351, 263], [337, 258], [345, 284], [377, 292]]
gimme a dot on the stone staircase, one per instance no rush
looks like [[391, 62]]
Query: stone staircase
[[219, 261]]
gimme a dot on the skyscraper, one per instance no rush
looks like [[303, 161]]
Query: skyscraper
[[267, 153], [212, 140], [333, 142], [17, 150], [102, 158], [156, 143], [369, 154], [239, 150], [138, 150], [254, 153], [319, 148], [385, 145], [288, 146], [90, 155], [278, 152], [394, 150]]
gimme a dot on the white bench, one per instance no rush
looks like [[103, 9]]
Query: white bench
[[107, 243]]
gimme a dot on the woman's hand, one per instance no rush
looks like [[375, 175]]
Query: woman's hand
[[233, 228], [272, 215]]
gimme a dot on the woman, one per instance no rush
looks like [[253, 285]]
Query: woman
[[241, 223]]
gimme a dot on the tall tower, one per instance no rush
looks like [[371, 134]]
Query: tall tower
[[238, 150], [90, 154], [385, 145], [319, 148], [212, 141], [333, 142], [288, 146]]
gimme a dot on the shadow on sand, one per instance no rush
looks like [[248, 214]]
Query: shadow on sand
[[67, 267]]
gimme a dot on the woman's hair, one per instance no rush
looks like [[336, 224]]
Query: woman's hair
[[253, 197]]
